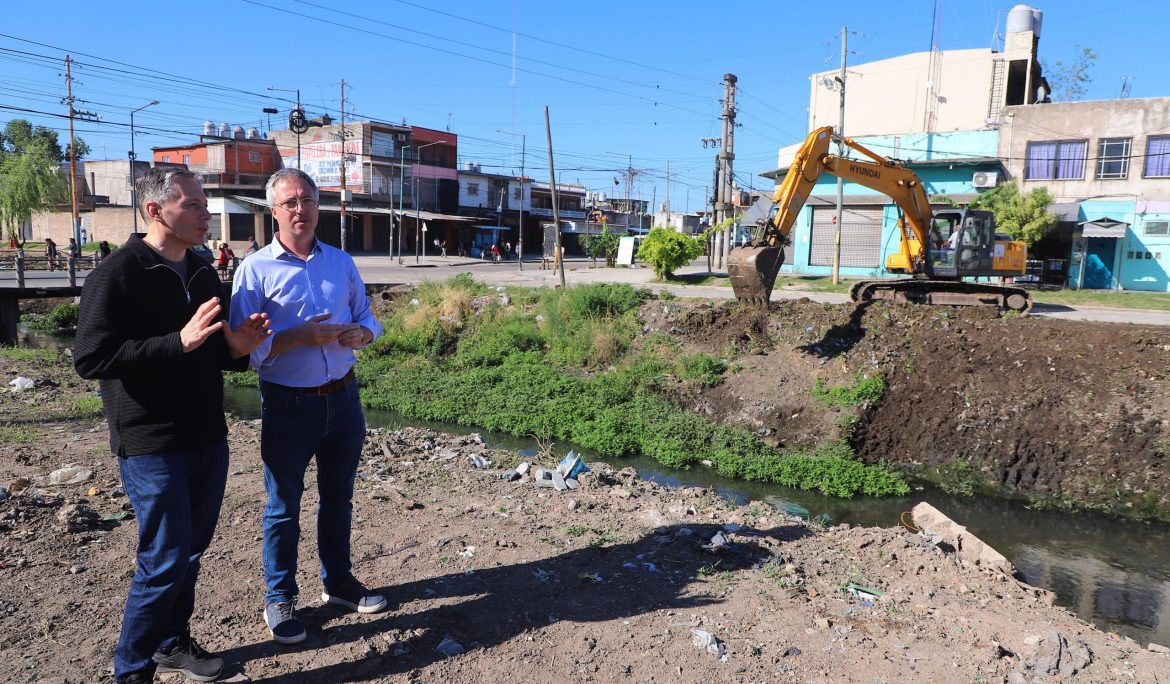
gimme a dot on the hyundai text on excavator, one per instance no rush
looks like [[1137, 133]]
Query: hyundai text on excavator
[[939, 248]]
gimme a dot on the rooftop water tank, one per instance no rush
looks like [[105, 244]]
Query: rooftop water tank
[[225, 131], [1024, 18], [238, 132], [209, 127], [602, 197], [253, 133]]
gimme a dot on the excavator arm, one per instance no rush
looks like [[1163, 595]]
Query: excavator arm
[[754, 266]]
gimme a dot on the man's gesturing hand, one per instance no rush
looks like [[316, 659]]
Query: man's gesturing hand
[[314, 333], [201, 326], [249, 336], [352, 336]]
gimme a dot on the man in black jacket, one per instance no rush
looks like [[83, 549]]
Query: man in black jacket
[[151, 329]]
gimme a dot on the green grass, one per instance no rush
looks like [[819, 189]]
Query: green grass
[[1154, 301], [866, 389], [87, 406], [10, 434], [27, 354], [558, 364]]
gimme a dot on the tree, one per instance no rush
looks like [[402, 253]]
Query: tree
[[604, 244], [30, 177], [1024, 217], [667, 250], [1069, 81]]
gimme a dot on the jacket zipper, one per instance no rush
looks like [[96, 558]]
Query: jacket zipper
[[186, 285]]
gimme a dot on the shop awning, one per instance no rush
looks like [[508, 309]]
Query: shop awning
[[1103, 228]]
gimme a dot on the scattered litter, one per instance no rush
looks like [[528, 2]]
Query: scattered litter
[[522, 468], [543, 477], [69, 475], [3, 494], [710, 643], [21, 383], [572, 466], [467, 552], [449, 647], [479, 461], [866, 594], [559, 481], [571, 483], [790, 652], [114, 517], [542, 575], [591, 576], [718, 542], [649, 567]]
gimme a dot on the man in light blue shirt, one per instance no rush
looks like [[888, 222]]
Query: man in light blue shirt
[[319, 314]]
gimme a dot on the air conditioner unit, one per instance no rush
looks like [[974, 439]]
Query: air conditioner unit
[[984, 179]]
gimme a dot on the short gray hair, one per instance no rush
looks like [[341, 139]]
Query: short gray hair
[[158, 185], [289, 173]]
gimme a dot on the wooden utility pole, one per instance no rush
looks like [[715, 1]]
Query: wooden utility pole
[[72, 154], [343, 140], [726, 157], [552, 184]]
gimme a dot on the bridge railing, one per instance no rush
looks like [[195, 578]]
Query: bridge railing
[[23, 263]]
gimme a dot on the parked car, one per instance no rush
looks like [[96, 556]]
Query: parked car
[[205, 252]]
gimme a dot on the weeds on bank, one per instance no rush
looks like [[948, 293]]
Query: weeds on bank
[[28, 354], [868, 389], [558, 364]]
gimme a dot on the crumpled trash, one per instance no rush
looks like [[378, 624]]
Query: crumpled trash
[[70, 474], [479, 461], [449, 647], [4, 494], [21, 383], [77, 517], [571, 466], [710, 643]]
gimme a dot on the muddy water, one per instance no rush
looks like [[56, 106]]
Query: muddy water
[[1111, 572]]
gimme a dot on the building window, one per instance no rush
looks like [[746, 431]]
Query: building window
[[472, 189], [254, 157], [1158, 156], [1157, 228], [518, 194], [1064, 160], [166, 159], [1113, 158], [186, 159]]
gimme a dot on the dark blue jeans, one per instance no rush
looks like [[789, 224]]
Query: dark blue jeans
[[295, 427], [176, 497]]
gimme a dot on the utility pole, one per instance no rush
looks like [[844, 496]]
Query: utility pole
[[726, 157], [552, 184], [343, 141], [401, 192], [72, 155], [840, 153], [520, 204]]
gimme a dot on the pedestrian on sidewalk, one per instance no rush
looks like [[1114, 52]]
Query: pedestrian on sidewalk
[[442, 248], [320, 314], [495, 253], [51, 253], [150, 329]]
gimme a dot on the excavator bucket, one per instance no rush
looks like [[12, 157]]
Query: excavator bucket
[[753, 268]]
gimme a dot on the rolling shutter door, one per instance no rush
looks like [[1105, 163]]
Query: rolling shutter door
[[861, 236]]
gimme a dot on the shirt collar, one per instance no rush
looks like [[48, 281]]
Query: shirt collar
[[279, 250]]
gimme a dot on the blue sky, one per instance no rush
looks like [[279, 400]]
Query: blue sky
[[625, 82]]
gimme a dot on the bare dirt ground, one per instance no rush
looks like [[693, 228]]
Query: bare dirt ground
[[1045, 408], [606, 583]]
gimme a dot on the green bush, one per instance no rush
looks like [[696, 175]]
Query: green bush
[[667, 250], [62, 317], [605, 299], [703, 369]]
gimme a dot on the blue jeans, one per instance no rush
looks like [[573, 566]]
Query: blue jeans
[[296, 426], [176, 497]]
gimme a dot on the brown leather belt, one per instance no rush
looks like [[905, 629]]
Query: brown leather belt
[[328, 388]]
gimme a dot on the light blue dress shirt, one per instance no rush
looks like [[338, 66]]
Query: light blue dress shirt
[[291, 291]]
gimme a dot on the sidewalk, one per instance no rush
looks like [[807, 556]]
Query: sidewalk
[[383, 270]]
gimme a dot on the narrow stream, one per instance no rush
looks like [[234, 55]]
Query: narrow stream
[[1112, 572]]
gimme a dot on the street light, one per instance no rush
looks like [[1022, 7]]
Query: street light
[[520, 218], [630, 173], [417, 219], [301, 125], [134, 165]]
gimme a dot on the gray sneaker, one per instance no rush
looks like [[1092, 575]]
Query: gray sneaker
[[282, 624], [189, 658], [354, 596]]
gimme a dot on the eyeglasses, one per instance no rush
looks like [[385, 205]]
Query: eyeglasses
[[303, 204]]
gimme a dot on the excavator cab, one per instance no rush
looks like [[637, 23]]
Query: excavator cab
[[963, 243]]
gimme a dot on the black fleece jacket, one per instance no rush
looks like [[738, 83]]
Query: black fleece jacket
[[156, 397]]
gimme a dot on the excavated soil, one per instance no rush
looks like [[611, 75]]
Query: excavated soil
[[1044, 408], [608, 583]]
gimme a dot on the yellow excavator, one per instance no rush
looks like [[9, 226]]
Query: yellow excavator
[[938, 248]]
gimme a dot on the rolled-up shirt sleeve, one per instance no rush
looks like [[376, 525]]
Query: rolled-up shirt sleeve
[[361, 312], [247, 299]]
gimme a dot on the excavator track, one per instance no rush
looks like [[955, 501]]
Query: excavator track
[[945, 292]]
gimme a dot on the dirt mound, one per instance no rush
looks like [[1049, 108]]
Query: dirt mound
[[1049, 408]]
